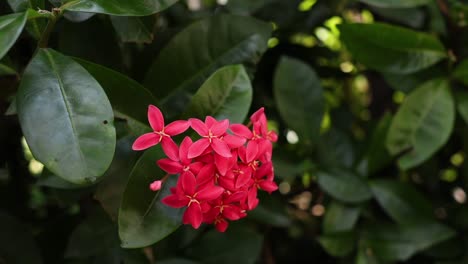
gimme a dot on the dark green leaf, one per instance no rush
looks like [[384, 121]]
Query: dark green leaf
[[390, 48], [401, 201], [461, 72], [214, 42], [299, 97], [143, 218], [423, 123], [340, 218], [6, 70], [226, 94], [396, 3], [270, 211], [393, 243], [338, 244], [413, 17], [11, 27], [245, 7], [462, 104], [406, 83], [119, 8], [132, 29], [48, 179], [126, 95], [35, 26], [239, 244], [66, 118], [17, 245], [344, 185], [336, 147]]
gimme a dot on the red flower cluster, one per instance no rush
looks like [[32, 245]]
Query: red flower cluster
[[220, 173]]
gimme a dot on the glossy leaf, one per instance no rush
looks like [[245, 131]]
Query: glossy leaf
[[11, 27], [338, 244], [389, 48], [299, 98], [239, 244], [35, 26], [340, 218], [126, 95], [118, 8], [461, 72], [143, 218], [131, 29], [66, 118], [6, 70], [396, 3], [16, 242], [226, 94], [344, 185], [335, 147], [214, 42], [423, 124], [401, 201], [399, 243]]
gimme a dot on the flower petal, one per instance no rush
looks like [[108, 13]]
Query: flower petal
[[155, 118], [232, 213], [221, 148], [155, 186], [220, 128], [174, 201], [193, 215], [210, 192], [206, 174], [243, 179], [170, 166], [235, 197], [268, 186], [210, 121], [197, 148], [145, 141], [188, 183], [177, 127], [198, 126], [183, 150], [170, 148], [252, 151], [224, 164], [241, 130], [221, 225], [257, 115], [234, 141]]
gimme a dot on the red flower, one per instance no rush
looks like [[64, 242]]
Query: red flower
[[161, 133], [181, 163]]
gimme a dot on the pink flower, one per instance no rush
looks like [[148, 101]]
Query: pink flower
[[161, 133], [181, 163]]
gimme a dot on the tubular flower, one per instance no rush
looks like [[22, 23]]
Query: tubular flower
[[220, 173]]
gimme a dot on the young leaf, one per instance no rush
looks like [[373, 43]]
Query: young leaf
[[344, 185], [11, 27], [402, 202], [423, 123], [390, 48], [66, 118], [226, 94], [214, 42], [299, 97], [117, 7], [143, 218]]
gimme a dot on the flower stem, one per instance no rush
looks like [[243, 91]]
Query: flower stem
[[44, 40]]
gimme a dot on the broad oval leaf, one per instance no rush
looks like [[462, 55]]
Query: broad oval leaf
[[462, 104], [396, 3], [119, 8], [344, 185], [423, 123], [340, 218], [132, 29], [461, 72], [66, 118], [35, 26], [390, 48], [11, 27], [299, 97], [126, 95], [214, 42], [143, 218], [226, 94], [402, 202]]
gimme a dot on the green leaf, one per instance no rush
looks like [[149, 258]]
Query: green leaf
[[226, 94], [48, 179], [338, 244], [271, 211], [6, 70], [35, 27], [413, 17], [406, 83], [336, 148], [131, 29], [299, 98], [401, 201], [461, 72], [66, 118], [396, 3], [16, 242], [117, 7], [143, 218], [390, 48], [423, 123], [126, 95], [399, 243], [239, 244], [340, 218], [11, 27], [214, 42], [462, 104], [344, 185]]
